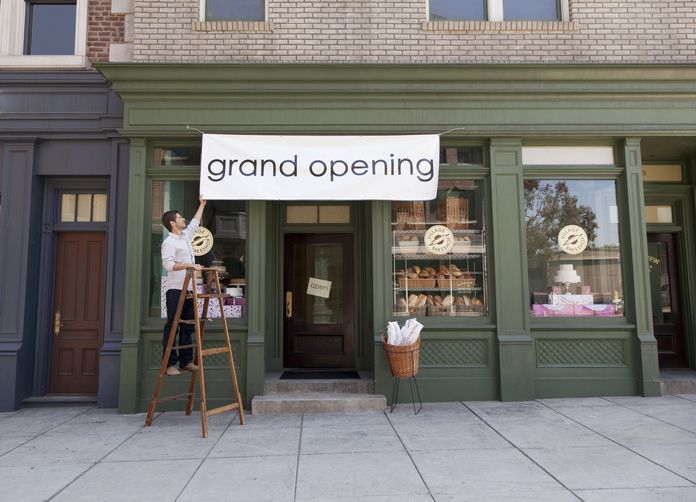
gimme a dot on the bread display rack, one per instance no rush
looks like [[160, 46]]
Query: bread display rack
[[458, 289], [440, 285]]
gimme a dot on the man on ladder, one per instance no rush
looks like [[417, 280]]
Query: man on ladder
[[177, 256]]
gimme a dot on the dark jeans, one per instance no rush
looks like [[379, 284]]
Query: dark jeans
[[185, 356]]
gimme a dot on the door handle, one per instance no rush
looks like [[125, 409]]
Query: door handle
[[288, 304], [56, 323]]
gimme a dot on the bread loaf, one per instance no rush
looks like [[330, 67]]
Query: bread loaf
[[437, 300], [401, 274], [476, 301], [448, 301], [424, 274], [421, 300], [459, 300], [455, 271], [467, 300], [429, 301], [444, 270], [412, 275], [401, 302], [431, 270], [416, 269], [440, 275], [412, 299]]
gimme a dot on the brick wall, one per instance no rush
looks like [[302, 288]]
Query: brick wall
[[104, 28], [603, 31]]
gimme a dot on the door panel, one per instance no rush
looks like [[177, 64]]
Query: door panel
[[318, 327], [665, 294], [79, 297]]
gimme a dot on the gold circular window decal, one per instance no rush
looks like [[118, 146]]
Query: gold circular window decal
[[439, 239], [572, 239], [202, 241]]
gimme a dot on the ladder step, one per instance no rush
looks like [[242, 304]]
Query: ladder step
[[222, 409], [172, 398], [193, 321], [178, 347], [210, 352], [215, 295]]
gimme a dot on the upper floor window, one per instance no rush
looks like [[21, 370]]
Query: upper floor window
[[50, 28], [235, 10], [44, 34], [497, 10]]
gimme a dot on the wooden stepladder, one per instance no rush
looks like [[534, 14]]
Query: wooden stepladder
[[213, 283]]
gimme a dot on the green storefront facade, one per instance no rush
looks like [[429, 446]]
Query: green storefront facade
[[643, 114]]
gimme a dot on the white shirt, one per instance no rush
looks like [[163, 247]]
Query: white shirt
[[178, 249]]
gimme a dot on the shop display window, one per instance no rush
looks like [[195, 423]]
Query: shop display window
[[573, 248], [225, 219], [439, 253]]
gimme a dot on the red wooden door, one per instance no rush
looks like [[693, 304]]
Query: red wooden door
[[78, 313], [319, 301], [668, 324]]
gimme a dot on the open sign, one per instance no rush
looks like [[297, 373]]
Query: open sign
[[318, 287]]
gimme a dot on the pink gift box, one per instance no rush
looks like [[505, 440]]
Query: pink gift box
[[609, 310], [583, 311], [553, 310]]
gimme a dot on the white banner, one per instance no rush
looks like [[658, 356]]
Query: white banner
[[253, 167]]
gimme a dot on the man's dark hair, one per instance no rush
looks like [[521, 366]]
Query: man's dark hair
[[168, 218]]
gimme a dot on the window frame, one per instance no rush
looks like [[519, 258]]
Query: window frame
[[493, 11], [13, 31], [203, 14]]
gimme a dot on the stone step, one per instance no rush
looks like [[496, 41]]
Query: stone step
[[274, 404], [274, 385], [678, 381]]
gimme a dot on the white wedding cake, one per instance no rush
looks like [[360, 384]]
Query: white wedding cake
[[566, 275]]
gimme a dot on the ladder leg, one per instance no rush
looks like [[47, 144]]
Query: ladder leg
[[237, 395], [165, 357]]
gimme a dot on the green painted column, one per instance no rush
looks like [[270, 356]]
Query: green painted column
[[638, 273], [256, 298], [381, 283], [137, 190], [515, 345]]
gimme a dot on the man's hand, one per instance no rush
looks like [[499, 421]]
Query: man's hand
[[196, 266]]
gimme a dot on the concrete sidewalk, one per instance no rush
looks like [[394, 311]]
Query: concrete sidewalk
[[594, 449]]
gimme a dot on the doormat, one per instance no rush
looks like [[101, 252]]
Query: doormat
[[320, 375]]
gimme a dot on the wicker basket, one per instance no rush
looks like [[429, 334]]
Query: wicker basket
[[416, 283], [454, 213], [440, 311], [456, 283], [472, 310], [409, 215], [412, 311], [402, 359]]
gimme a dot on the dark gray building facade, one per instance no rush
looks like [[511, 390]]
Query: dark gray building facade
[[63, 223]]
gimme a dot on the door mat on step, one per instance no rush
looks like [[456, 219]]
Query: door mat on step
[[320, 375]]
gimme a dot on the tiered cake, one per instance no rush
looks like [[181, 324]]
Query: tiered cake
[[566, 275]]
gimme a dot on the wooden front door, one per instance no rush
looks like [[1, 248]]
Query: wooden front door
[[318, 301], [665, 294], [78, 313]]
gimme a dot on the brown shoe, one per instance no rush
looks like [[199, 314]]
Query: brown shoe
[[172, 371], [190, 367]]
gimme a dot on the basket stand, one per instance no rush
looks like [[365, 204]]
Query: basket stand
[[403, 363]]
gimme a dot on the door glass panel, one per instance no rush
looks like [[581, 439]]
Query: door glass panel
[[99, 207], [319, 284], [67, 207], [659, 283], [84, 206]]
